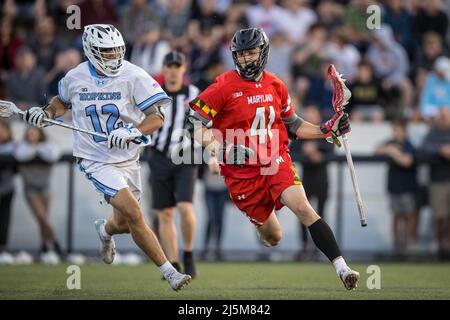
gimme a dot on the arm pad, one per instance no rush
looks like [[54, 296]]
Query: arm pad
[[158, 108], [292, 123], [195, 120]]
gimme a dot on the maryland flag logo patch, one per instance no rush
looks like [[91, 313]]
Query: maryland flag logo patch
[[205, 108]]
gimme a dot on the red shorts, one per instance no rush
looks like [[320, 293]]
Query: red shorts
[[258, 196]]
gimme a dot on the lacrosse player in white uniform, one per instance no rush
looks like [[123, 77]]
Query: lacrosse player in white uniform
[[112, 96]]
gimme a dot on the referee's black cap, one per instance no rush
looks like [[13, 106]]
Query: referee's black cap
[[174, 57]]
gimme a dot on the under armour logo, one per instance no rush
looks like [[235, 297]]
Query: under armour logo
[[100, 82], [241, 197], [279, 160], [258, 85]]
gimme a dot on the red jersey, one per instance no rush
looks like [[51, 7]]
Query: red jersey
[[248, 113]]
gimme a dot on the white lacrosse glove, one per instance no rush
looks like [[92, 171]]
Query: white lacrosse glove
[[121, 137], [35, 116]]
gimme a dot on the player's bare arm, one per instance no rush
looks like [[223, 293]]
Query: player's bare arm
[[55, 108], [150, 124], [338, 125], [205, 137], [307, 130]]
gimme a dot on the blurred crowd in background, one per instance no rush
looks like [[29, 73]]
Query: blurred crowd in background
[[399, 72]]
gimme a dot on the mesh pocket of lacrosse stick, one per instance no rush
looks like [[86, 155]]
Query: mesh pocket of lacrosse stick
[[341, 94], [7, 109]]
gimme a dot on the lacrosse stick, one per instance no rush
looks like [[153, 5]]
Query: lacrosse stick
[[8, 108], [341, 95]]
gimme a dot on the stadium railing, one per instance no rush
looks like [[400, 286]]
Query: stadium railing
[[340, 160]]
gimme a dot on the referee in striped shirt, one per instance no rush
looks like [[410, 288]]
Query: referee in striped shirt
[[173, 184]]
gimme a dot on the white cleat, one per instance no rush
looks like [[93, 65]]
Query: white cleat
[[178, 280], [50, 258], [23, 258], [108, 250], [6, 258], [349, 278]]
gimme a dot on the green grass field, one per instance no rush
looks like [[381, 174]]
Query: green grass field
[[225, 281]]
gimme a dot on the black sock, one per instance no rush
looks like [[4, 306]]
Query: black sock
[[44, 247], [188, 262], [57, 247], [324, 239], [177, 266], [187, 256]]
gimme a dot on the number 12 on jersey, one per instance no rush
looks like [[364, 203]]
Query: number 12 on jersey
[[258, 127], [111, 124]]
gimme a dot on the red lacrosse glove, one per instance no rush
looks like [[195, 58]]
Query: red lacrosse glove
[[338, 125]]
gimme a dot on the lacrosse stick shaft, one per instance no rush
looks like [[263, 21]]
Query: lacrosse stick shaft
[[68, 126], [362, 215], [8, 108]]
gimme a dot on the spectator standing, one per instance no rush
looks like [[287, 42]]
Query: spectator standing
[[402, 185], [437, 147], [36, 180], [7, 171]]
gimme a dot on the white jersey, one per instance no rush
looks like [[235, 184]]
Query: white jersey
[[103, 104]]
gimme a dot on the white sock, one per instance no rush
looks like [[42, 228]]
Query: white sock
[[167, 268], [340, 265], [103, 232]]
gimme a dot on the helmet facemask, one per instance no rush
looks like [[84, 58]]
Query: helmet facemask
[[109, 60], [250, 70], [104, 47], [250, 39]]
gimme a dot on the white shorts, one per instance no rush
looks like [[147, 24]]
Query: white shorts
[[109, 178]]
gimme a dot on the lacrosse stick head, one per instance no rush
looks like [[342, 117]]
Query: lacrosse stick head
[[341, 94], [7, 109]]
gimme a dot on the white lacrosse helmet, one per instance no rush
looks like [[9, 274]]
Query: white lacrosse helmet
[[101, 41]]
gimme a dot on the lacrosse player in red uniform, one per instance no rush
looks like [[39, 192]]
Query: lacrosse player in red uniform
[[245, 119]]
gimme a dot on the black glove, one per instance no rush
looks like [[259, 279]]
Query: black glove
[[237, 155]]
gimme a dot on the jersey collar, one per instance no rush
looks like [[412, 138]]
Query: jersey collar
[[94, 73]]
